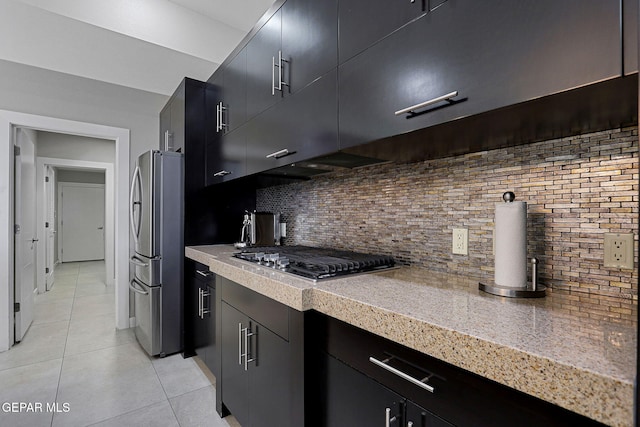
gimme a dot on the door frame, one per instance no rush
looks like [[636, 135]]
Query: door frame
[[9, 120], [109, 218]]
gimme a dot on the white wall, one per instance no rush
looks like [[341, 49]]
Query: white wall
[[42, 92], [73, 147]]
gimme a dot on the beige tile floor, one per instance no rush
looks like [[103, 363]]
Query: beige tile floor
[[73, 355]]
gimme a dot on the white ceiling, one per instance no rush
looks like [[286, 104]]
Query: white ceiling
[[144, 44]]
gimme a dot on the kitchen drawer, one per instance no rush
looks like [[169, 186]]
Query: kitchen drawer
[[493, 53], [270, 313], [459, 396]]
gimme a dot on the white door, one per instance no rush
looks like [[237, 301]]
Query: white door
[[81, 221], [50, 229], [25, 236]]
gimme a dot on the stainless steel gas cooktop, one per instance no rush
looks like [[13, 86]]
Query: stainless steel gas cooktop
[[315, 263]]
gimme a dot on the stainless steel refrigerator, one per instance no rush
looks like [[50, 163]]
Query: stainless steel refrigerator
[[156, 213]]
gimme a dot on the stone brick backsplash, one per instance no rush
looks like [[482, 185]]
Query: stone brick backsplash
[[577, 189]]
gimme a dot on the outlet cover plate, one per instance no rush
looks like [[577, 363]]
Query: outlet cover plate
[[618, 250], [460, 241]]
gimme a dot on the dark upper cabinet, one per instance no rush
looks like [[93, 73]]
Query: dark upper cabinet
[[173, 119], [302, 127], [630, 35], [262, 53], [494, 54], [234, 94], [309, 41], [364, 22], [226, 111]]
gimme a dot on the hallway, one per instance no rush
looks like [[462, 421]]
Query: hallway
[[74, 360]]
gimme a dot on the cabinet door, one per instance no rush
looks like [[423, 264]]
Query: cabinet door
[[226, 156], [262, 51], [494, 53], [309, 40], [234, 96], [210, 320], [353, 399], [420, 417], [269, 379], [234, 381], [304, 125], [363, 22]]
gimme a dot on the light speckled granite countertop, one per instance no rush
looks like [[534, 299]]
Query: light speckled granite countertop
[[573, 349]]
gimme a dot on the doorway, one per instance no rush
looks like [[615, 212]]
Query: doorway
[[119, 179], [81, 221]]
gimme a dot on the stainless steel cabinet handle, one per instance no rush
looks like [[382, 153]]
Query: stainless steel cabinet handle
[[167, 138], [279, 154], [205, 310], [222, 173], [247, 354], [136, 261], [401, 374], [410, 424], [427, 103], [204, 273], [200, 303], [273, 76], [387, 417], [221, 124], [240, 344], [136, 290]]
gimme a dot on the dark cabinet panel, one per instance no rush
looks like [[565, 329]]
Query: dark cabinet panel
[[199, 312], [262, 52], [364, 22], [493, 54], [270, 376], [304, 125], [420, 417], [234, 96], [630, 35], [235, 381], [226, 155], [309, 41], [353, 399]]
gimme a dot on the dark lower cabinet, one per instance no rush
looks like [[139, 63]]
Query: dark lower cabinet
[[360, 391], [262, 370], [200, 308]]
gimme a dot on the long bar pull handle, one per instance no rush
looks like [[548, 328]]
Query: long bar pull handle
[[200, 303], [167, 137], [222, 173], [217, 117], [273, 75], [240, 344], [247, 356], [410, 424], [223, 125], [204, 273], [427, 103], [281, 82], [279, 154], [401, 374], [205, 310], [388, 419]]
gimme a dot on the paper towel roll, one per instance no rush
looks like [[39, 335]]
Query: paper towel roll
[[511, 245]]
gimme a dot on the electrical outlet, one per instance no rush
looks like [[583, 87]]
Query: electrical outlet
[[460, 241], [618, 250]]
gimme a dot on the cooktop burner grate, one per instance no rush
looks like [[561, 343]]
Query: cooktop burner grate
[[315, 263]]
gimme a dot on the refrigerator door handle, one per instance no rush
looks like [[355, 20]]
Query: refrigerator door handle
[[135, 289], [136, 261], [135, 229]]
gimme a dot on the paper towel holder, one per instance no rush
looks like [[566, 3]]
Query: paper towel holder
[[532, 290]]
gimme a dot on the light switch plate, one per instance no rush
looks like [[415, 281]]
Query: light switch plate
[[618, 250], [460, 241]]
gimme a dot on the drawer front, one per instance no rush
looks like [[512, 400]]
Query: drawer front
[[271, 314]]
